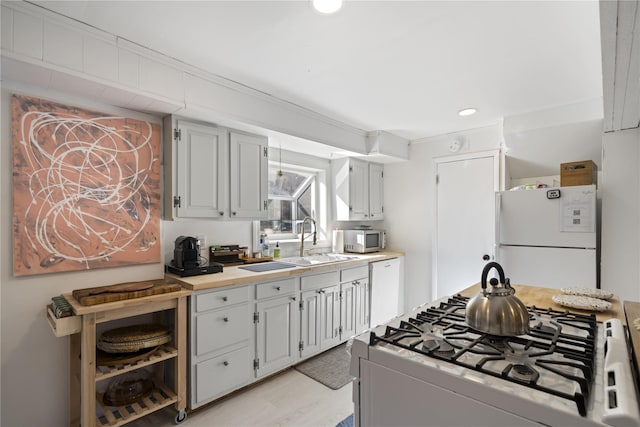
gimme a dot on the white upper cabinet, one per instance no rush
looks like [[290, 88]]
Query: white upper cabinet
[[249, 180], [376, 191], [359, 190], [212, 172], [201, 170]]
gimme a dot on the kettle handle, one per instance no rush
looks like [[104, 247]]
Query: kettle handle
[[485, 274]]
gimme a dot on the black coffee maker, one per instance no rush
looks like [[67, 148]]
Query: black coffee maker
[[186, 253]]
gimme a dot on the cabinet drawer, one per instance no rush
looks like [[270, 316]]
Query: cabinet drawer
[[355, 273], [319, 280], [217, 329], [221, 298], [223, 373], [275, 288]]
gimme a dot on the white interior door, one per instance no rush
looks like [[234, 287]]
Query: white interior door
[[465, 220]]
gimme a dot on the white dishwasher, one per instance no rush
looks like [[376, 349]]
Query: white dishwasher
[[384, 277]]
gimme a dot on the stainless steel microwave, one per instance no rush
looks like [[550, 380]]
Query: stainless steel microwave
[[363, 241]]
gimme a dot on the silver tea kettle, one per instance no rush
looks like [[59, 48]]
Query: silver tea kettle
[[497, 311]]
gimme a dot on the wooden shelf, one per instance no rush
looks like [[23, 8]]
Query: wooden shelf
[[160, 397], [163, 353]]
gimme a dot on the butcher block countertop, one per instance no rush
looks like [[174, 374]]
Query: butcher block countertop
[[234, 275], [632, 311], [541, 297]]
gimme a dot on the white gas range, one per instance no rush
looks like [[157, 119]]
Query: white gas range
[[430, 368]]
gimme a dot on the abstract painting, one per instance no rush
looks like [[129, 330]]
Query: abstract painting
[[86, 189]]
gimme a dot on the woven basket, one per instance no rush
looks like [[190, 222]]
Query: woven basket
[[127, 389], [133, 338]]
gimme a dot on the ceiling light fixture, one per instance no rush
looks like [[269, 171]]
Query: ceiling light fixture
[[327, 6], [467, 112]]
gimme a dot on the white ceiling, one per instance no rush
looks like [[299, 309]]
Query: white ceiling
[[403, 67]]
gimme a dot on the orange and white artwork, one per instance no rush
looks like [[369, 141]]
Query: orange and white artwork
[[86, 189]]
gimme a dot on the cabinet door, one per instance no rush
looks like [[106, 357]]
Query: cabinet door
[[201, 171], [330, 317], [358, 189], [276, 334], [376, 191], [248, 174], [311, 302], [362, 305], [347, 310]]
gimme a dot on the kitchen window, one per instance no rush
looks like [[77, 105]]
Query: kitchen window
[[292, 196]]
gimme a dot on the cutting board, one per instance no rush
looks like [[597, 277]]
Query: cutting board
[[632, 311], [541, 297], [119, 292]]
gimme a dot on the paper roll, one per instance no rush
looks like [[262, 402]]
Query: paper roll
[[338, 242]]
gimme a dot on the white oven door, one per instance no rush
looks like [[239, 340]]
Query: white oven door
[[391, 398]]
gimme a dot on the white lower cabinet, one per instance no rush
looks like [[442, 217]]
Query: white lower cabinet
[[354, 283], [221, 346], [276, 317], [334, 307], [239, 334]]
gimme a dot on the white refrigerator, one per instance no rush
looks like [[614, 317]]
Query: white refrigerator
[[547, 236]]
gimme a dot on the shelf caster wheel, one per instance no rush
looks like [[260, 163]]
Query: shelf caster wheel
[[180, 416]]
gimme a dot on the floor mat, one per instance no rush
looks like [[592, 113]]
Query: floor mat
[[347, 422], [330, 368]]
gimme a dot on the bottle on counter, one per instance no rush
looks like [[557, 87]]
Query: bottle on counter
[[265, 244], [276, 251]]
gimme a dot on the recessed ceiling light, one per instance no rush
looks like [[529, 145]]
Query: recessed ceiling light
[[467, 112], [327, 6]]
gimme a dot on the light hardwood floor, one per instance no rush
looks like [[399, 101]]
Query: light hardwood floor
[[286, 399]]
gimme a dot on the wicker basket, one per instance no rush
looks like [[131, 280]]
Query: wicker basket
[[128, 388], [130, 339]]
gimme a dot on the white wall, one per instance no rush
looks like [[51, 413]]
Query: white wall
[[35, 375], [620, 192], [409, 205]]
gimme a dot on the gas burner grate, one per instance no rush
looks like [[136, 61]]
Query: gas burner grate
[[547, 352]]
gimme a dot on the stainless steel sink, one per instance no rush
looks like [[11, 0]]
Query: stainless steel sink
[[314, 259]]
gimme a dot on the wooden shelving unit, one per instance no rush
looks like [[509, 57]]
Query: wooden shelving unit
[[85, 374]]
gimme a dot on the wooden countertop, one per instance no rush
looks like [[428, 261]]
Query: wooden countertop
[[234, 275], [541, 297], [632, 312]]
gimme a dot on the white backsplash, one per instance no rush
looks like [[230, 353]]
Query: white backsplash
[[214, 232]]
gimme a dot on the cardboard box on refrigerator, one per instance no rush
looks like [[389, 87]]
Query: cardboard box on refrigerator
[[584, 172]]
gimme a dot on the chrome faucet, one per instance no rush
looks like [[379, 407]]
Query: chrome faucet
[[313, 221]]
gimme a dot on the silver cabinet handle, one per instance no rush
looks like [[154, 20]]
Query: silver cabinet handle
[[293, 298], [225, 363], [320, 291], [226, 319], [233, 213], [224, 299], [221, 213], [277, 288]]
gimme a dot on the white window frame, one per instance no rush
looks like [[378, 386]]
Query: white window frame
[[308, 164]]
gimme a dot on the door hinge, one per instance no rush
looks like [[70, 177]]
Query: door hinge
[[350, 168], [382, 174], [264, 204], [256, 364], [265, 152], [177, 201], [256, 317], [301, 346], [340, 329], [177, 134], [350, 208], [437, 179], [382, 209], [301, 305]]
